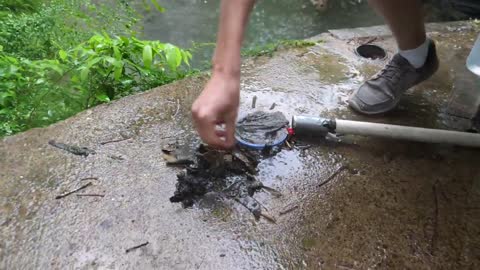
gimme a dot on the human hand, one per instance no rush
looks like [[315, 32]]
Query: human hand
[[217, 106]]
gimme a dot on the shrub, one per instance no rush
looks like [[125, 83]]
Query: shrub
[[53, 64]]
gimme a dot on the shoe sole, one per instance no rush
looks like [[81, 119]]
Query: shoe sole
[[356, 108]]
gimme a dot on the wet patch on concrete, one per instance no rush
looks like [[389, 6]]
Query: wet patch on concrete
[[398, 205]]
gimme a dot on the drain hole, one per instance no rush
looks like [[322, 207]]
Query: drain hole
[[371, 51]]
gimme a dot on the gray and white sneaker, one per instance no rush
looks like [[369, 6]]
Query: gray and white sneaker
[[384, 90]]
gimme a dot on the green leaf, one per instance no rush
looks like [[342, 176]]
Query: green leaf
[[110, 59], [93, 61], [54, 66], [147, 56], [157, 6], [117, 73], [84, 74], [174, 57], [102, 97], [63, 55], [117, 53], [125, 40], [186, 57]]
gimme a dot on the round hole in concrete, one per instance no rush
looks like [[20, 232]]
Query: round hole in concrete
[[371, 51]]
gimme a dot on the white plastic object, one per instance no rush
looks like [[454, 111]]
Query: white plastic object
[[408, 133], [473, 60]]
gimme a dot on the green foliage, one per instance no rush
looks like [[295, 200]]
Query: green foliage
[[39, 92], [106, 68], [62, 24], [26, 87], [19, 5], [270, 48], [52, 64]]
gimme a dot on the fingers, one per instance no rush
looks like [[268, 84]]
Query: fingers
[[230, 131], [211, 134]]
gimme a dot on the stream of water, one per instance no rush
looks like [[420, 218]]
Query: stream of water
[[188, 21], [195, 21]]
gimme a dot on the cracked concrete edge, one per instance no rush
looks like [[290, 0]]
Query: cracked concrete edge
[[383, 31]]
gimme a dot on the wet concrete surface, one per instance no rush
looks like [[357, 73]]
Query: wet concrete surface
[[397, 205]]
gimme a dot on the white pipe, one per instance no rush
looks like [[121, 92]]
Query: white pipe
[[408, 133]]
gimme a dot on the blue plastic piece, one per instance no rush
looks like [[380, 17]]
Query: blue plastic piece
[[260, 146]]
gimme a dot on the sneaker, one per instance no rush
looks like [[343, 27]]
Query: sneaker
[[384, 90]]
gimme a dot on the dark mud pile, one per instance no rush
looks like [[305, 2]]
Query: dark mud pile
[[229, 174]]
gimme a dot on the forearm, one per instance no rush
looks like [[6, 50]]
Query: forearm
[[233, 20]]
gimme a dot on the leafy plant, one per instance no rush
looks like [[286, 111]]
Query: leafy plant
[[63, 24], [24, 85], [106, 68], [39, 92], [19, 5], [53, 63]]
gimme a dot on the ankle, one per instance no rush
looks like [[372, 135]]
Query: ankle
[[417, 56]]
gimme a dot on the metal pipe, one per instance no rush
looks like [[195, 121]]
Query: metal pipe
[[305, 124]]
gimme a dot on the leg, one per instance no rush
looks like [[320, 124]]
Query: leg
[[415, 62], [405, 19]]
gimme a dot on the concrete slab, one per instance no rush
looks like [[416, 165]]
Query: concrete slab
[[399, 205], [383, 31]]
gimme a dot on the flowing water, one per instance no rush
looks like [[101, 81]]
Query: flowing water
[[186, 22], [195, 21]]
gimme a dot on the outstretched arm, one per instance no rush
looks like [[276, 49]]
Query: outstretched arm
[[218, 103]]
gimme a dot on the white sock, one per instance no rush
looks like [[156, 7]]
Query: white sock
[[417, 56]]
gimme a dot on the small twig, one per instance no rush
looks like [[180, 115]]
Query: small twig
[[288, 145], [229, 188], [288, 210], [89, 178], [268, 217], [91, 195], [136, 247], [273, 106], [370, 40], [73, 191], [73, 149], [335, 173], [256, 214], [272, 191], [179, 162], [254, 102], [303, 147], [116, 157], [115, 141]]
